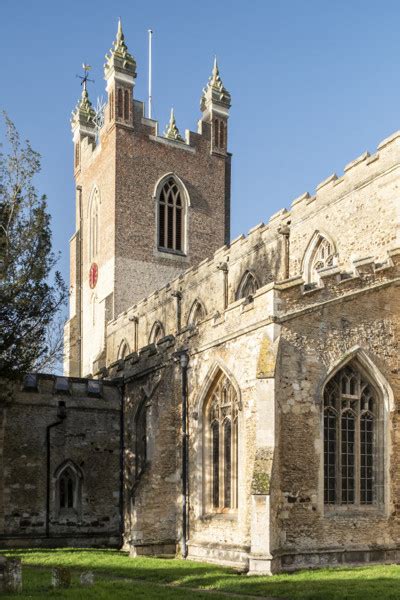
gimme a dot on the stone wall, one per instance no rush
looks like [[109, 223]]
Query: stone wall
[[359, 213], [82, 420]]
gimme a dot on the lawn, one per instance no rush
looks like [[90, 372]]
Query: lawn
[[121, 578]]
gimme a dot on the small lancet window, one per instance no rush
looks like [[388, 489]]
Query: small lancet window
[[119, 103], [247, 287], [124, 350], [141, 439], [351, 461], [197, 313], [221, 445], [157, 333], [68, 488], [126, 105], [94, 225], [171, 217]]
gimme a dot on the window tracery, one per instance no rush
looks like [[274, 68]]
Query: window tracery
[[171, 214], [350, 433], [68, 482], [221, 444]]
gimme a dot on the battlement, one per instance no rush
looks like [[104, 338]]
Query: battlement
[[49, 386], [362, 204]]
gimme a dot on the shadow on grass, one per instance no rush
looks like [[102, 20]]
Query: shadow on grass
[[363, 583]]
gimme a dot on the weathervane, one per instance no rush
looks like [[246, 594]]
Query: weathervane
[[85, 78]]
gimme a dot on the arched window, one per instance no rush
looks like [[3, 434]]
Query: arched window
[[157, 333], [197, 313], [124, 350], [94, 225], [171, 217], [68, 482], [93, 309], [126, 105], [221, 445], [247, 287], [119, 104], [141, 439], [352, 465], [320, 254], [111, 106]]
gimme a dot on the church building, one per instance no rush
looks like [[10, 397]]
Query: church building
[[230, 401]]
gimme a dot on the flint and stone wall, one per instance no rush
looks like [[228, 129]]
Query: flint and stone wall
[[89, 437]]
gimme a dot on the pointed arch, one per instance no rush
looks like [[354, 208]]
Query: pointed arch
[[320, 254], [157, 332], [219, 406], [248, 285], [94, 222], [68, 478], [172, 204], [356, 403], [197, 312], [124, 349]]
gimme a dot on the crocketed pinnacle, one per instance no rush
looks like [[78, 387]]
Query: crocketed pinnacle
[[215, 92], [119, 56], [171, 131], [84, 111]]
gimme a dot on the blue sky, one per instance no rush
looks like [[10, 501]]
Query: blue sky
[[314, 83]]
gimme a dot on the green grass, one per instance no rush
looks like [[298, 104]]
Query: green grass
[[119, 577]]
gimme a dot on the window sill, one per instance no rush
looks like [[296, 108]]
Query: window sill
[[171, 254], [228, 515], [353, 511]]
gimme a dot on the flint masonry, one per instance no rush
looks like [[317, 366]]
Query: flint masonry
[[243, 395]]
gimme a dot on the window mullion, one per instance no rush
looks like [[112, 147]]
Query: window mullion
[[357, 469]]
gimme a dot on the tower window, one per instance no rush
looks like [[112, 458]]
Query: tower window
[[351, 461], [126, 105], [171, 217], [119, 104]]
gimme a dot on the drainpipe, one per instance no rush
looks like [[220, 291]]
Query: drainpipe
[[61, 415], [122, 462], [184, 361]]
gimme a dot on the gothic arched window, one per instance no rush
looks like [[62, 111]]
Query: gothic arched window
[[197, 313], [94, 225], [352, 472], [141, 439], [320, 254], [124, 350], [247, 286], [157, 333], [171, 217], [126, 105], [68, 481], [221, 445], [119, 103]]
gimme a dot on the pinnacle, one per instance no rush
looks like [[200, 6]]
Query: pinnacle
[[215, 90], [119, 56], [171, 130]]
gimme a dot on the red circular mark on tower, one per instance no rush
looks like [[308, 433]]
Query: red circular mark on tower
[[93, 275]]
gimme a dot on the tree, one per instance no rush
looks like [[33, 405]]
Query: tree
[[31, 291]]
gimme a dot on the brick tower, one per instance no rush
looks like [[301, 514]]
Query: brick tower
[[148, 205]]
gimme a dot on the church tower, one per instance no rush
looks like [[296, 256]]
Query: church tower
[[149, 205]]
